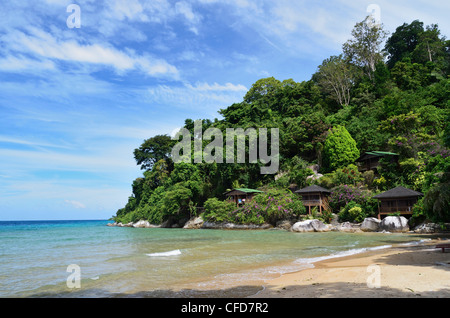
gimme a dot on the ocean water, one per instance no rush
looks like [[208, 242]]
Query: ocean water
[[35, 258]]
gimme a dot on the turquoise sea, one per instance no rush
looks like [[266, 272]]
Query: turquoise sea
[[126, 262]]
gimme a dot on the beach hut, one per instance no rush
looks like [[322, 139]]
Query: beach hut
[[242, 195], [315, 196], [371, 160], [399, 200]]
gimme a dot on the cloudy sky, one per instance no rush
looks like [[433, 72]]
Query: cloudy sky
[[75, 102]]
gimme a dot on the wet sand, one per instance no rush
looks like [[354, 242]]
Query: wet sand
[[397, 272]]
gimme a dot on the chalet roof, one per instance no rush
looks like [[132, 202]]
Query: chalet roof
[[372, 154], [313, 189], [399, 192], [245, 190]]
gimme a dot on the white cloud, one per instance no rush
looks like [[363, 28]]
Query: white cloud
[[201, 97], [32, 143], [185, 9], [45, 46], [21, 63], [217, 87], [310, 28], [75, 204], [129, 9]]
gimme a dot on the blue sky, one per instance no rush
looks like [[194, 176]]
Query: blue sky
[[76, 102]]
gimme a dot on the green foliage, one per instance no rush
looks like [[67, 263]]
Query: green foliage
[[270, 207], [276, 205], [352, 212], [353, 103], [336, 77], [436, 203], [347, 175], [152, 150], [342, 195], [298, 172], [364, 49], [218, 211], [403, 42], [447, 132], [339, 149]]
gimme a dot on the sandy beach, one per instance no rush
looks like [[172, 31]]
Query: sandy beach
[[397, 272]]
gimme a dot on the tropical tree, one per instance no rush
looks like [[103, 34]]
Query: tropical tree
[[364, 49], [152, 150], [403, 42], [336, 77]]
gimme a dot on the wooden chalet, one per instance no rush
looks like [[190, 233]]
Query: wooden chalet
[[399, 200], [370, 160], [240, 196], [315, 196]]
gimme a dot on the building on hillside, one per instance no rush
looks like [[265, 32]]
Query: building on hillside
[[315, 196], [371, 160], [399, 200], [240, 196]]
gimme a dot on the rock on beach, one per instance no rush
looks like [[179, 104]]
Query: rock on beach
[[394, 224], [370, 225], [310, 226]]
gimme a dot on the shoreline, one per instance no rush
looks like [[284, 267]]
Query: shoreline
[[406, 270], [398, 272], [403, 270]]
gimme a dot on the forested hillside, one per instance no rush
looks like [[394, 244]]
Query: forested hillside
[[383, 93]]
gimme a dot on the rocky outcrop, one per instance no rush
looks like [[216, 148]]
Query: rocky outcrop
[[347, 227], [233, 226], [194, 223], [426, 228], [284, 225], [389, 224], [394, 224], [310, 226], [140, 224], [370, 225]]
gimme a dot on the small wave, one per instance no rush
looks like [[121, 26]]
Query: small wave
[[355, 251], [415, 243], [379, 247], [165, 254]]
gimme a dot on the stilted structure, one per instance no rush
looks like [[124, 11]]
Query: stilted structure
[[315, 196], [371, 160], [240, 196], [399, 200]]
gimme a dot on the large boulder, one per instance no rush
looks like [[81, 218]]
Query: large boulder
[[310, 226], [304, 226], [319, 226], [394, 224], [194, 223], [284, 225], [143, 225], [370, 225], [346, 227]]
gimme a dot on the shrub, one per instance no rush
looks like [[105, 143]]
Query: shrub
[[276, 205], [270, 207], [352, 212], [218, 211], [342, 195], [369, 177], [250, 213], [347, 175], [339, 149]]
